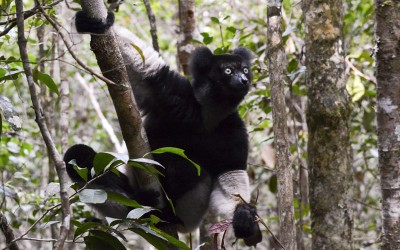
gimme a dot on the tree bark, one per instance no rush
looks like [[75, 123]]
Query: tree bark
[[328, 114], [387, 34], [111, 63], [8, 232], [187, 25], [277, 66]]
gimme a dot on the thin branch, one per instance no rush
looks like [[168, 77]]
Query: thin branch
[[106, 125], [32, 226], [68, 44], [277, 73], [153, 25], [40, 119], [50, 240], [27, 14], [22, 236], [358, 72]]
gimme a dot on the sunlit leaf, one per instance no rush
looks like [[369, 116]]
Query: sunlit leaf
[[139, 212], [176, 151], [94, 196]]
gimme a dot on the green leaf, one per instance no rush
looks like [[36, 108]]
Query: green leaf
[[140, 52], [83, 228], [154, 240], [105, 160], [355, 88], [139, 212], [82, 172], [117, 197], [207, 39], [147, 168], [121, 157], [172, 240], [176, 151], [231, 29], [3, 72], [93, 196], [48, 81], [196, 41], [98, 240], [147, 161], [10, 74], [215, 20], [273, 184]]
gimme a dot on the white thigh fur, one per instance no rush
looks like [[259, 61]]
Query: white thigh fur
[[223, 201]]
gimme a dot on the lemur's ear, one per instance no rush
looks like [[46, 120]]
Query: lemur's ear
[[245, 53], [200, 60]]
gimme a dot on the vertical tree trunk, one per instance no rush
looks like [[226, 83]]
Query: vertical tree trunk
[[329, 152], [111, 63], [387, 33], [277, 69], [187, 24]]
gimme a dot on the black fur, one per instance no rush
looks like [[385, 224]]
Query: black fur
[[244, 224], [198, 116], [91, 25]]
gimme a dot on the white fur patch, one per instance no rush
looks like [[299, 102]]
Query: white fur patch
[[133, 48], [223, 201]]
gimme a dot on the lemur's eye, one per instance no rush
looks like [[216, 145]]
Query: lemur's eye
[[228, 71], [245, 70]]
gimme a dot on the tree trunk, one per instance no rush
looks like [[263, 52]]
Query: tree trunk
[[387, 35], [187, 24], [329, 151], [111, 63], [277, 69]]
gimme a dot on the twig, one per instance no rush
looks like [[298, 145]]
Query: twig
[[358, 72], [50, 240], [106, 125], [40, 119], [153, 25], [69, 46], [27, 14], [32, 226]]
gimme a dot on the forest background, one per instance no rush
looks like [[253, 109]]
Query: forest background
[[77, 108]]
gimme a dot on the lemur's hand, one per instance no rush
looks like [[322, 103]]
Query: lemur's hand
[[245, 225]]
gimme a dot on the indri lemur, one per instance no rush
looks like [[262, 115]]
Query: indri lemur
[[198, 116]]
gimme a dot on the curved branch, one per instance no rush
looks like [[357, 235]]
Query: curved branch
[[40, 119], [153, 25]]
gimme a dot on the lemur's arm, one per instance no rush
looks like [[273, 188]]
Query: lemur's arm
[[225, 201]]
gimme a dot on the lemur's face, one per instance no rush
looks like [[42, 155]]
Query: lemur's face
[[232, 73]]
